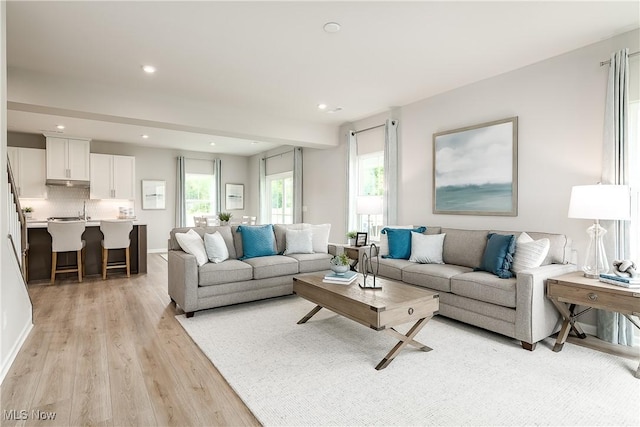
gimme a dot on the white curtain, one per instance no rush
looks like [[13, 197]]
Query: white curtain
[[262, 183], [390, 204], [217, 170], [297, 185], [181, 211], [614, 327], [352, 180]]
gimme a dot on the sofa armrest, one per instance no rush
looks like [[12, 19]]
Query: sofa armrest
[[536, 317], [183, 280]]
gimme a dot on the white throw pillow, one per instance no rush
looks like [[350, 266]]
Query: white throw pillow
[[192, 243], [298, 242], [427, 248], [384, 239], [529, 253], [216, 248], [320, 238]]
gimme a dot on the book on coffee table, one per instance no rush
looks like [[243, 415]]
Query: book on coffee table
[[626, 282], [345, 279]]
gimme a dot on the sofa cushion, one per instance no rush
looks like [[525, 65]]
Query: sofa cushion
[[308, 263], [498, 255], [486, 287], [384, 239], [216, 248], [272, 266], [280, 231], [257, 240], [529, 253], [426, 249], [391, 268], [298, 242], [400, 241], [559, 246], [227, 236], [464, 247], [228, 271], [191, 242], [320, 237], [432, 276]]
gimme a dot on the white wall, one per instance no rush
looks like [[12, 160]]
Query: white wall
[[15, 306], [560, 106]]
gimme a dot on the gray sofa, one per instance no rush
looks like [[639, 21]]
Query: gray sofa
[[515, 307], [234, 281]]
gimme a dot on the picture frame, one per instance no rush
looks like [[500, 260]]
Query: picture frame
[[475, 169], [361, 239], [153, 194], [234, 197]]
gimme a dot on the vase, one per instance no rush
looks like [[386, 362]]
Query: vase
[[224, 222], [351, 242], [339, 269]]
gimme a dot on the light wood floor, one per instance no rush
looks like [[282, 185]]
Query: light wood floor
[[111, 353]]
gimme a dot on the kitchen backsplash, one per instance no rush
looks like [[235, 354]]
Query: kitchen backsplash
[[68, 201]]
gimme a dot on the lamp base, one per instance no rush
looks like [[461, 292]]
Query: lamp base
[[595, 261], [591, 275]]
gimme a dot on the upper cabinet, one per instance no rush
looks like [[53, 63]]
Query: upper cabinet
[[112, 177], [28, 166], [68, 159]]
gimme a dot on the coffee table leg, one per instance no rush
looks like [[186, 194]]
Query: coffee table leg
[[414, 343], [406, 339], [309, 315]]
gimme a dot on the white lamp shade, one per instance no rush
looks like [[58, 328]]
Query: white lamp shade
[[600, 202], [369, 205]]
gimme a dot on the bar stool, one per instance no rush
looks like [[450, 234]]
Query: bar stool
[[66, 236], [116, 236]]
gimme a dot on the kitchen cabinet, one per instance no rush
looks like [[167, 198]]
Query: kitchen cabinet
[[68, 159], [29, 171], [112, 177]]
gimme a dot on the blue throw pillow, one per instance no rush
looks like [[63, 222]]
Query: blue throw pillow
[[498, 255], [400, 241], [257, 240]]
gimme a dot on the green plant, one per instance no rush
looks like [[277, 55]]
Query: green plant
[[352, 234], [27, 209], [341, 259], [224, 216]]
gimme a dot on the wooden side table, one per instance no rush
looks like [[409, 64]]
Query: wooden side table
[[571, 290], [354, 253]]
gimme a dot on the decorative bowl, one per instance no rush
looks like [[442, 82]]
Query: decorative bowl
[[339, 269]]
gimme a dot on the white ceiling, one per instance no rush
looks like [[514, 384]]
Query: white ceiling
[[273, 59]]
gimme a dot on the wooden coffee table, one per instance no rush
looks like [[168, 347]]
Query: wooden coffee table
[[396, 303]]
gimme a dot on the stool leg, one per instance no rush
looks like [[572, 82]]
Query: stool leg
[[105, 258], [126, 254], [84, 259], [79, 263], [54, 261]]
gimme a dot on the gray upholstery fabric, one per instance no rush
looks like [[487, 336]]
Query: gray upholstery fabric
[[464, 247], [391, 268], [308, 263], [173, 243], [244, 287], [432, 276], [559, 248], [272, 266], [487, 287], [228, 271], [433, 230], [480, 307]]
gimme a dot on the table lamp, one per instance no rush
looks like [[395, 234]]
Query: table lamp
[[598, 202], [369, 205]]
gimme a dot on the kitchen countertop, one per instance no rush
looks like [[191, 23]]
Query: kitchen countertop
[[93, 222]]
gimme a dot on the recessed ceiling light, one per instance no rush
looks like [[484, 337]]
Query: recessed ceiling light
[[212, 144], [145, 136], [149, 69], [331, 27], [60, 127], [322, 106], [254, 142]]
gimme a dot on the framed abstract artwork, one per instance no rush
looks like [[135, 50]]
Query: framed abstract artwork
[[475, 169], [234, 196], [153, 194]]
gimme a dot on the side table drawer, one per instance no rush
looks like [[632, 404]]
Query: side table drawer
[[596, 298]]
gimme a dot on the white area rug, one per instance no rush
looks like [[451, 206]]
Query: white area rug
[[322, 372]]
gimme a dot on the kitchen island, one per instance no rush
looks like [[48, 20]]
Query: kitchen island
[[39, 254]]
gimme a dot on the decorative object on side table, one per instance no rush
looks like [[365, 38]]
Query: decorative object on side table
[[361, 239], [369, 205], [340, 264], [224, 218], [597, 202], [27, 211], [351, 238], [368, 270]]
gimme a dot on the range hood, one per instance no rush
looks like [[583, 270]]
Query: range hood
[[68, 183]]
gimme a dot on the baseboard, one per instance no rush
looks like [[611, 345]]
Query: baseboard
[[14, 351], [157, 251]]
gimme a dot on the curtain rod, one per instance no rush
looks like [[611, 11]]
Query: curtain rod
[[609, 61], [355, 132], [278, 155]]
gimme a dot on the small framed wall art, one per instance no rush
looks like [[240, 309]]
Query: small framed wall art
[[234, 197], [153, 194]]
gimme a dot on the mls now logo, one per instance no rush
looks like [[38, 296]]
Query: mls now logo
[[23, 414]]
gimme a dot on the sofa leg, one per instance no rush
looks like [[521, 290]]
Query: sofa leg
[[190, 314], [528, 345]]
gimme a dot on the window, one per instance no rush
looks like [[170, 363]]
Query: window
[[370, 183], [200, 195], [280, 198]]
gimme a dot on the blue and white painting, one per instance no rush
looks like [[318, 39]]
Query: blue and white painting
[[475, 169]]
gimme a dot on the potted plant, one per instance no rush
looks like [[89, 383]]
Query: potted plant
[[340, 264], [27, 211], [351, 236], [224, 217]]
